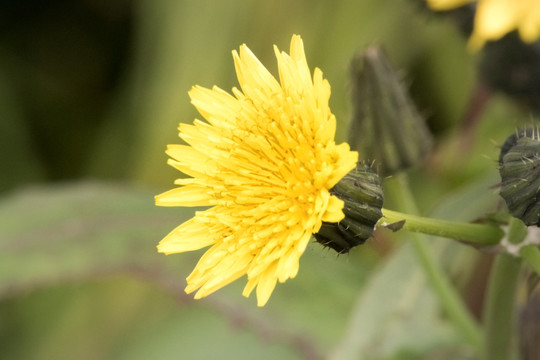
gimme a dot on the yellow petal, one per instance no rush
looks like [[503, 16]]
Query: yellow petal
[[334, 210], [189, 236], [447, 4], [189, 195]]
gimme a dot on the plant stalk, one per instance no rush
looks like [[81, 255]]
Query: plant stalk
[[477, 234], [531, 254], [500, 305], [447, 294]]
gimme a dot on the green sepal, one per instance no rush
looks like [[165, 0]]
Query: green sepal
[[519, 167], [361, 191]]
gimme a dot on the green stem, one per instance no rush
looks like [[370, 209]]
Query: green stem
[[471, 233], [448, 296], [531, 255], [499, 311]]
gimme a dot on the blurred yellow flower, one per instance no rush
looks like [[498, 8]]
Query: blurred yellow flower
[[495, 18], [264, 160]]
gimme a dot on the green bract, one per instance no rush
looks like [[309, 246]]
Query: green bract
[[362, 193], [520, 175]]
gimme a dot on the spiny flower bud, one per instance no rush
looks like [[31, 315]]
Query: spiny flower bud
[[362, 193], [386, 125], [519, 167]]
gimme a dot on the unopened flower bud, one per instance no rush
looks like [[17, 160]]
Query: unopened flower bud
[[519, 167], [386, 125], [361, 191]]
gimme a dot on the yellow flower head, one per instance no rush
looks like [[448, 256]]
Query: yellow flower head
[[264, 161], [495, 18]]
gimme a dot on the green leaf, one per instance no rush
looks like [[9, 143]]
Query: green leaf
[[396, 312], [75, 230]]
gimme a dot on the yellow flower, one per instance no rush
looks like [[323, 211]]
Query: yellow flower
[[264, 162], [495, 18]]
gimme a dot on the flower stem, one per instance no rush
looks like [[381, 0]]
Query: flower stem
[[477, 234], [448, 296], [499, 311]]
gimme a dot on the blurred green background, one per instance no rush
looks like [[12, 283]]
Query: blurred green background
[[90, 94]]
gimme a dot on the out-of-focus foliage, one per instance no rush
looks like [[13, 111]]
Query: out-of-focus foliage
[[91, 230], [95, 90]]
